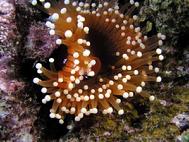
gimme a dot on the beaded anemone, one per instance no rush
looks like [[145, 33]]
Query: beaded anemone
[[109, 58]]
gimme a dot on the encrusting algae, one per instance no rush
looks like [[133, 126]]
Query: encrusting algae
[[109, 59]]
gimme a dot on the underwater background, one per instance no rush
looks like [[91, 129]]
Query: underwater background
[[24, 40]]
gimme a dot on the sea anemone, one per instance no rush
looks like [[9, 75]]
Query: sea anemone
[[109, 59]]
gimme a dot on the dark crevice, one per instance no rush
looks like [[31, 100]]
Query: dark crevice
[[51, 129], [60, 55]]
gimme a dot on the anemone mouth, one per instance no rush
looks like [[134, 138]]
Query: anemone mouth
[[102, 48]]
